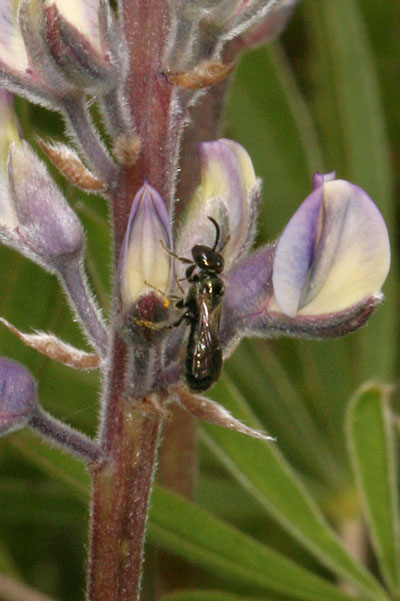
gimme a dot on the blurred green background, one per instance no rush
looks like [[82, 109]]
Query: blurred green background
[[325, 97]]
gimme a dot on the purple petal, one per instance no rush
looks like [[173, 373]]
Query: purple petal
[[320, 178], [295, 253], [228, 193], [17, 395]]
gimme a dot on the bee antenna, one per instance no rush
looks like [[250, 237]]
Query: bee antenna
[[217, 232]]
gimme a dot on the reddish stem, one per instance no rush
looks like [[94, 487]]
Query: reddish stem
[[131, 427]]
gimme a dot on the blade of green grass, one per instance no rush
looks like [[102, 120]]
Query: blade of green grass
[[263, 470], [370, 433], [53, 463], [192, 533], [47, 504], [261, 376]]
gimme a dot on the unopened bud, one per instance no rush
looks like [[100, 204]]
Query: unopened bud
[[48, 230], [17, 396], [84, 42], [145, 265]]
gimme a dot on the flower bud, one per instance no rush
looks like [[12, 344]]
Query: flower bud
[[13, 54], [17, 396], [228, 193], [145, 265], [48, 230], [84, 42], [334, 252]]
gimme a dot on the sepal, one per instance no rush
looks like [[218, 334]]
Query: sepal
[[270, 26], [213, 413], [54, 348]]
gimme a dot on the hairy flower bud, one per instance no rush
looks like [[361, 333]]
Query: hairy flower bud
[[145, 265], [84, 42], [47, 229], [333, 253], [17, 396]]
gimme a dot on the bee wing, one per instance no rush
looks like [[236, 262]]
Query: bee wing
[[204, 357]]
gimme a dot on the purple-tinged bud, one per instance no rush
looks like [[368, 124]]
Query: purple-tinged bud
[[13, 54], [229, 193], [84, 41], [41, 79], [271, 25], [333, 254], [47, 230], [17, 396], [145, 266]]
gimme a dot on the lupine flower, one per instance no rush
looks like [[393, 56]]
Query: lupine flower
[[17, 396], [199, 29], [26, 66], [333, 253], [322, 278]]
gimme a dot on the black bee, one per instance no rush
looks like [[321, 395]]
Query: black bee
[[202, 310]]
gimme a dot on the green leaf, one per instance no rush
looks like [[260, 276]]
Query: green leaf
[[263, 470], [48, 504], [194, 534], [258, 372], [370, 432], [7, 564], [277, 130], [53, 462]]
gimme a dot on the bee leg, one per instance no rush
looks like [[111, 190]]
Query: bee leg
[[170, 252], [159, 327], [189, 273]]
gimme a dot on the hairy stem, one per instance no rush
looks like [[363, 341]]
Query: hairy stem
[[66, 438], [73, 279], [121, 490], [80, 124]]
